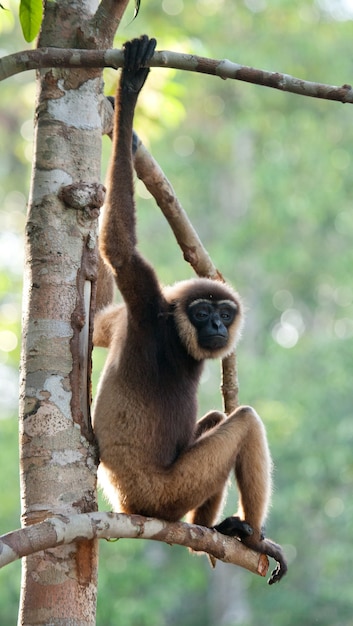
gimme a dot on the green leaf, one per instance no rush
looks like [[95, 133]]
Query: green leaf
[[31, 13]]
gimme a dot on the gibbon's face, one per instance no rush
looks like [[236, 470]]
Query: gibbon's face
[[212, 320]]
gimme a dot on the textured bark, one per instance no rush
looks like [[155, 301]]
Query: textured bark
[[57, 451], [65, 530]]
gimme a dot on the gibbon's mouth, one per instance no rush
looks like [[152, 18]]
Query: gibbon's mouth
[[214, 341]]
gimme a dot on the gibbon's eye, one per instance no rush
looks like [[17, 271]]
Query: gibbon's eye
[[201, 314], [227, 314]]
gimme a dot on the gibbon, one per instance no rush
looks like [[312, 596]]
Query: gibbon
[[155, 458]]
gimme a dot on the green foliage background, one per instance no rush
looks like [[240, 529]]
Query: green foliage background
[[266, 179]]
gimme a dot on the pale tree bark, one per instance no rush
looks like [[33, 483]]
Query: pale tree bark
[[57, 455], [60, 530]]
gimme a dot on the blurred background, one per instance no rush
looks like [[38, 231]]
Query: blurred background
[[266, 180]]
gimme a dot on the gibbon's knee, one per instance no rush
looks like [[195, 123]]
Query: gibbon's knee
[[102, 331], [110, 326], [255, 426], [105, 285], [247, 412], [254, 448], [208, 421]]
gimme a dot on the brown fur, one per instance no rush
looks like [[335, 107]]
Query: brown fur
[[156, 459]]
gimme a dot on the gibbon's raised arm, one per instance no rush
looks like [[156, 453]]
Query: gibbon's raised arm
[[135, 277]]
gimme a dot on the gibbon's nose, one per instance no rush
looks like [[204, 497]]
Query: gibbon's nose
[[216, 322]]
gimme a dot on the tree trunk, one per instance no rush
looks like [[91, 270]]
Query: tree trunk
[[57, 452]]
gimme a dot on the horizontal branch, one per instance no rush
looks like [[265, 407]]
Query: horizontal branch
[[71, 58], [60, 530]]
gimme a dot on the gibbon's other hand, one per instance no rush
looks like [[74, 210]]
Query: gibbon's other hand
[[137, 53]]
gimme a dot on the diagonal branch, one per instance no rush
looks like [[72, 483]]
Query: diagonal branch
[[154, 179], [72, 58], [158, 185], [60, 530]]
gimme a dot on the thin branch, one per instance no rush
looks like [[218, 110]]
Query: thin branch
[[153, 177], [41, 58], [59, 530], [59, 57], [230, 384]]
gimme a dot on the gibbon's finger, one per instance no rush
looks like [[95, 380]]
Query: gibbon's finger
[[150, 49]]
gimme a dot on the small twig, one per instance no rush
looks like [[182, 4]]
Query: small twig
[[230, 384], [72, 58], [59, 530]]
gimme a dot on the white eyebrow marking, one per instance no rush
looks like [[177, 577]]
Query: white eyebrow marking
[[229, 303]]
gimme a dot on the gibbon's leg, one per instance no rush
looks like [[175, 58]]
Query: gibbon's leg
[[201, 472], [253, 475], [206, 514], [208, 421], [237, 442]]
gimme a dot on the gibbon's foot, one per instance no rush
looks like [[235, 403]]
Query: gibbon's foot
[[275, 551], [234, 527], [277, 574]]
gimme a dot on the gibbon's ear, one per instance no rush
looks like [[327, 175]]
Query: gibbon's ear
[[183, 293]]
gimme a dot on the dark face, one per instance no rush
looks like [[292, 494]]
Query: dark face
[[212, 320]]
